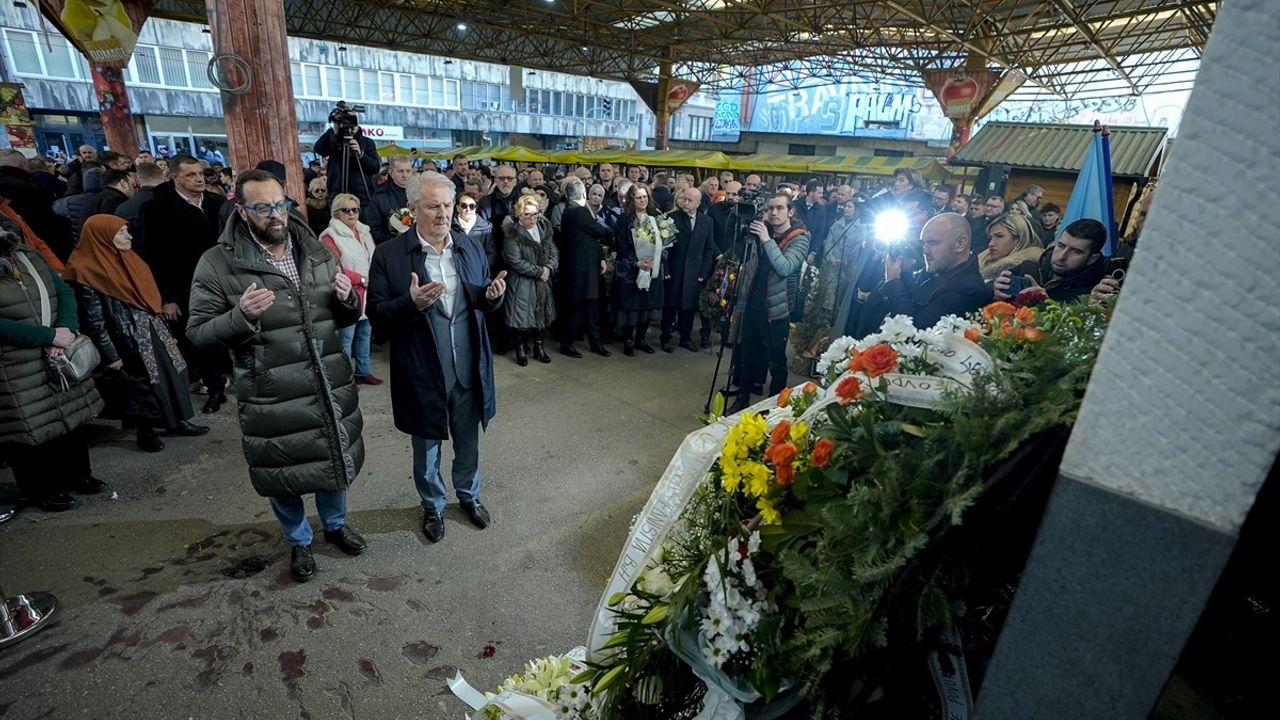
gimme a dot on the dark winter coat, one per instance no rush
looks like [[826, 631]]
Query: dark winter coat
[[691, 259], [131, 211], [387, 198], [299, 410], [1062, 289], [34, 202], [627, 295], [580, 254], [361, 170], [105, 202], [482, 232], [419, 398], [957, 291], [495, 208], [34, 409], [175, 235], [530, 303]]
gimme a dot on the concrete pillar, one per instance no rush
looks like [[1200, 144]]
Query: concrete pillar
[[262, 123], [1181, 422], [113, 107]]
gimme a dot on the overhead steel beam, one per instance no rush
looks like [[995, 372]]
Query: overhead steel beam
[[1070, 12]]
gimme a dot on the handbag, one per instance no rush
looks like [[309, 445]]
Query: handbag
[[76, 362]]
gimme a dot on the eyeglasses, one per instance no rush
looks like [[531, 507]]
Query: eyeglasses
[[266, 210], [505, 178], [466, 206], [349, 210], [530, 215]]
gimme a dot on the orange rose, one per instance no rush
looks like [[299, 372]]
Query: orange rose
[[999, 309], [808, 388], [784, 397], [786, 474], [848, 390], [782, 454], [1030, 334], [1025, 316], [972, 334], [780, 433], [822, 452], [876, 361]]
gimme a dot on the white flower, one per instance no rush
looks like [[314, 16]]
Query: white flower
[[836, 352], [714, 655], [777, 415], [656, 581], [753, 543], [897, 328], [748, 572]]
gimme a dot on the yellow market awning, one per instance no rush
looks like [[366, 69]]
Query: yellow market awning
[[876, 165], [771, 163], [680, 158], [389, 150], [516, 153]]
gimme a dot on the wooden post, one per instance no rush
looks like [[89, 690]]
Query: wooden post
[[262, 123], [113, 107], [662, 121]]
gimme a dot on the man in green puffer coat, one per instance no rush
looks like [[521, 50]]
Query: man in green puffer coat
[[275, 297]]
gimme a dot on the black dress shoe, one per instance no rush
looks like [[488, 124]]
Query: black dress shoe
[[477, 513], [666, 348], [186, 428], [706, 343], [148, 440], [522, 357], [91, 486], [7, 512], [688, 346], [540, 353], [629, 349], [302, 564], [347, 540], [643, 346], [570, 350], [432, 525], [600, 350], [214, 403], [58, 502]]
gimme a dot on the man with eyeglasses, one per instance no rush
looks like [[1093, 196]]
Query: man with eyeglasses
[[273, 295], [178, 224], [496, 206], [429, 290]]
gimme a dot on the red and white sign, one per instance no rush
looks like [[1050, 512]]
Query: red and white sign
[[960, 91], [383, 132]]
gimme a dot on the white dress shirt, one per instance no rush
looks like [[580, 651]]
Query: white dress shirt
[[439, 266]]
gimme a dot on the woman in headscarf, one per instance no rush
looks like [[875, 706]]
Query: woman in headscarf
[[352, 243], [532, 258], [1010, 242], [42, 433], [121, 310]]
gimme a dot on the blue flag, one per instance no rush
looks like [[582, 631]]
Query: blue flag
[[1092, 196]]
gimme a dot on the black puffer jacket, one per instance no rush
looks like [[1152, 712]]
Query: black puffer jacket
[[298, 405]]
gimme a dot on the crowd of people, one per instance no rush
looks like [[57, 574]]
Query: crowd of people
[[184, 276]]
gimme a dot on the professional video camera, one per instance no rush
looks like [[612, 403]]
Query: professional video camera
[[346, 124], [891, 228], [750, 207]]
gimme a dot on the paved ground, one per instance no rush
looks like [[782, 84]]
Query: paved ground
[[177, 597]]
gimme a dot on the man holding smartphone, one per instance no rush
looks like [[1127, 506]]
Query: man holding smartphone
[[1069, 269], [949, 283]]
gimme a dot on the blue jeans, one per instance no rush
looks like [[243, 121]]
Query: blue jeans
[[292, 514], [355, 343], [464, 429]]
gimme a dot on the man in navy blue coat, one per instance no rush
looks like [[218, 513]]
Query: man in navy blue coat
[[428, 292]]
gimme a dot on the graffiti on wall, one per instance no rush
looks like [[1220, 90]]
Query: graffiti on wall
[[850, 109]]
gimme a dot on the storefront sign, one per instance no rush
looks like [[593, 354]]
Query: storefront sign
[[383, 132]]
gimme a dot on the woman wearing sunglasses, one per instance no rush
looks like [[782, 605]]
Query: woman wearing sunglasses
[[352, 242], [469, 222]]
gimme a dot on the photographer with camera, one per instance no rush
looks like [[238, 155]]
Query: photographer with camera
[[1072, 268], [352, 158], [949, 283], [768, 289]]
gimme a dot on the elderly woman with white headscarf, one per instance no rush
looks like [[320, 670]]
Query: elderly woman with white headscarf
[[351, 241]]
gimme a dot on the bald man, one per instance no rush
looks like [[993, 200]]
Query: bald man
[[949, 283]]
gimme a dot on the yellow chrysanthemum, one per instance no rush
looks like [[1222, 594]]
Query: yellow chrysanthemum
[[769, 514], [799, 432], [757, 479]]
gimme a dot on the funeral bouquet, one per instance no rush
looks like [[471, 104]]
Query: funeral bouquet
[[659, 233], [714, 301], [400, 220], [791, 552]]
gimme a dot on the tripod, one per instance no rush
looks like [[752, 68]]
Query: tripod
[[726, 321]]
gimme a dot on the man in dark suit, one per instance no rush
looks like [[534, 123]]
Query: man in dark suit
[[581, 265], [429, 289], [33, 200], [691, 259]]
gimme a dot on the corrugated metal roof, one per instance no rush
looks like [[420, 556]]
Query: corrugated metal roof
[[1060, 147]]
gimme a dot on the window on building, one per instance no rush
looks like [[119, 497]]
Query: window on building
[[173, 67], [350, 84], [23, 52], [311, 86], [386, 87], [802, 149], [60, 60], [557, 103], [579, 106], [368, 87], [452, 93], [333, 82], [143, 66], [198, 69]]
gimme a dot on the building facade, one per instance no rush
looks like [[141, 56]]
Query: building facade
[[412, 100]]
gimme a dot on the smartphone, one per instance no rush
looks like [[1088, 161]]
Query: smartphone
[[1016, 285], [1118, 267]]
